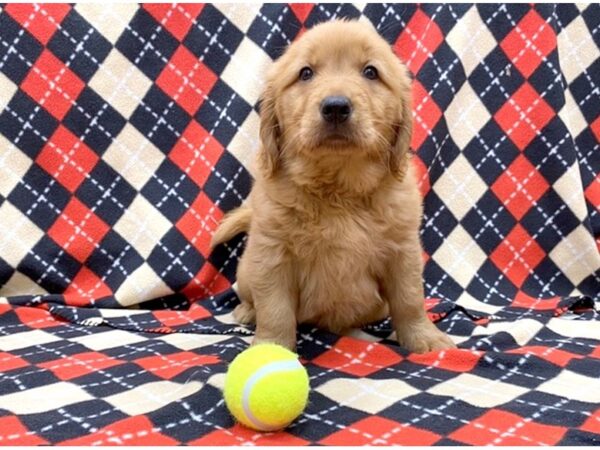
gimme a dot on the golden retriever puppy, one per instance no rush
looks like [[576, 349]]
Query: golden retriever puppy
[[334, 213]]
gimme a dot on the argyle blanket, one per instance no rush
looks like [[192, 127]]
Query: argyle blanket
[[127, 131]]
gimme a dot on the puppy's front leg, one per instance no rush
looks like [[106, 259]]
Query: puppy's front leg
[[275, 302], [402, 287]]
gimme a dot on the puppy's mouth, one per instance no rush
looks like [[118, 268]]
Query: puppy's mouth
[[336, 137]]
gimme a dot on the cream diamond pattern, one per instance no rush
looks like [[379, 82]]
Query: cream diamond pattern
[[152, 396], [133, 156], [574, 386], [367, 395], [478, 391], [577, 49], [575, 261], [460, 256], [465, 116], [43, 398], [460, 186], [471, 40], [120, 83]]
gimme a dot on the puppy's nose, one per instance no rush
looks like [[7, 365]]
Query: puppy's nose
[[336, 108]]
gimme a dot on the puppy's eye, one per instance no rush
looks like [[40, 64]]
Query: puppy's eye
[[370, 73], [306, 73]]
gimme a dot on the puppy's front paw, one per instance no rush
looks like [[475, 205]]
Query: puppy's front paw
[[425, 339], [244, 313], [287, 343]]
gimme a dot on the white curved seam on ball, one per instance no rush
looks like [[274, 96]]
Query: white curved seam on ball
[[278, 366]]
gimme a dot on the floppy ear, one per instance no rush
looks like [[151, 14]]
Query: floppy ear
[[399, 157], [269, 131]]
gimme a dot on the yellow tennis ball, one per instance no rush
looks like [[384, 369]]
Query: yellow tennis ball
[[266, 387]]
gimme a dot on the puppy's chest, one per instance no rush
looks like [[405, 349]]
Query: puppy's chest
[[331, 240], [337, 260]]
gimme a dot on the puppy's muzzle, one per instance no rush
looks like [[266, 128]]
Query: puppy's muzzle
[[336, 109]]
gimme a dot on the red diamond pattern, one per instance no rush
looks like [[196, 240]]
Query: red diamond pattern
[[503, 428], [196, 152], [52, 84], [86, 288], [36, 318], [454, 360], [19, 434], [199, 223], [530, 41], [67, 158], [41, 20], [380, 431], [592, 193], [592, 424], [595, 127], [524, 115], [78, 230], [357, 357], [136, 430], [555, 356], [240, 435], [169, 366], [517, 255], [421, 174], [302, 10], [171, 318], [10, 362], [426, 114], [520, 187], [422, 29], [187, 80], [522, 300], [177, 18], [73, 366], [208, 281]]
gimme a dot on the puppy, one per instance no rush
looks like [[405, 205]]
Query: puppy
[[334, 213]]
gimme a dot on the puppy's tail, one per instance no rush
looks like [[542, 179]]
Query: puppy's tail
[[232, 224]]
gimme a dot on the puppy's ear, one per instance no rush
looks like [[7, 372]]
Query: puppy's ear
[[269, 131], [399, 156]]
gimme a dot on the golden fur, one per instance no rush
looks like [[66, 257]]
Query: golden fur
[[333, 216]]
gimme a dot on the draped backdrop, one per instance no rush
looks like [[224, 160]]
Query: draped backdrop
[[127, 131]]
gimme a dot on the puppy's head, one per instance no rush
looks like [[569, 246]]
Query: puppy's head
[[341, 90]]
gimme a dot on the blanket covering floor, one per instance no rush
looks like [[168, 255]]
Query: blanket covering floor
[[127, 131]]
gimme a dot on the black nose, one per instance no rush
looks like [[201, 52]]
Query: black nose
[[336, 108]]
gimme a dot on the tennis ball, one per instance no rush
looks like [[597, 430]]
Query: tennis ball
[[266, 387]]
